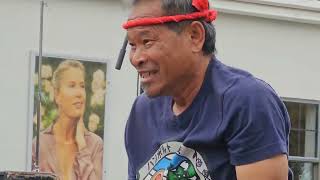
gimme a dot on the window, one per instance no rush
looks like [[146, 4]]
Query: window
[[304, 137]]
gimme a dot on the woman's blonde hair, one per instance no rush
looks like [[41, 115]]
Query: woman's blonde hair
[[62, 67]]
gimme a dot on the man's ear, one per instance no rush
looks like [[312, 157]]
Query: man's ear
[[196, 33]]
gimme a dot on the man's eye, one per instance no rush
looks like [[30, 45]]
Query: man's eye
[[147, 43], [133, 47]]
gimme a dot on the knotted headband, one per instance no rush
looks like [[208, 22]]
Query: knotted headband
[[201, 5]]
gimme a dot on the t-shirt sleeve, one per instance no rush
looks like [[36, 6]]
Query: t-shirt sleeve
[[127, 135], [131, 171], [256, 122], [131, 174]]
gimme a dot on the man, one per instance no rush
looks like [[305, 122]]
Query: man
[[198, 118]]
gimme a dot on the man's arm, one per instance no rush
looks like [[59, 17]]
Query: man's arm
[[275, 168]]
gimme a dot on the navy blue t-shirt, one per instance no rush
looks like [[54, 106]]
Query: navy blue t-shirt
[[235, 119]]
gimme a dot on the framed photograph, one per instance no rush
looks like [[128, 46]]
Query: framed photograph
[[73, 110]]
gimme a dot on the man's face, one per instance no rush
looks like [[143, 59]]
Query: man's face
[[160, 55]]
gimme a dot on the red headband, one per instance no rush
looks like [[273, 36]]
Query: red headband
[[201, 5]]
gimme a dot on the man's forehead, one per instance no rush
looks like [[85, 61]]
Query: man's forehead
[[142, 31], [146, 8]]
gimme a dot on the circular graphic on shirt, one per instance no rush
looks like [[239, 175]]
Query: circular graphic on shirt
[[173, 161]]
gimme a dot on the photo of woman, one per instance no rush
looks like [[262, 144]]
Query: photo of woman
[[67, 147]]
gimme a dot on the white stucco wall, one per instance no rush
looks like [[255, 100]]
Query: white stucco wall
[[283, 53]]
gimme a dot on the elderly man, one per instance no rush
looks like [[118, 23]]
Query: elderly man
[[198, 118]]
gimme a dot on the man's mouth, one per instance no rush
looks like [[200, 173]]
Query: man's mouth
[[147, 75]]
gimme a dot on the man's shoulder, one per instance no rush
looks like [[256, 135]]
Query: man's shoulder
[[229, 71], [251, 87], [238, 82], [222, 77], [251, 92]]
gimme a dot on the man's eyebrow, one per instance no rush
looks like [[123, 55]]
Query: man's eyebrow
[[143, 33]]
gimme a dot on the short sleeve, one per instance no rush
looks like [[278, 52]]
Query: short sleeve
[[127, 135], [257, 123], [131, 174]]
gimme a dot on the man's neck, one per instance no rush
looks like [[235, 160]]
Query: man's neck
[[186, 94]]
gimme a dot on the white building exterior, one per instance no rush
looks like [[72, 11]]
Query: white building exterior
[[277, 41]]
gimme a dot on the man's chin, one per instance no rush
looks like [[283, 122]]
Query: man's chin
[[151, 93]]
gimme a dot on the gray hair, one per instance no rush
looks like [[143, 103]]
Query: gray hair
[[174, 7], [62, 67]]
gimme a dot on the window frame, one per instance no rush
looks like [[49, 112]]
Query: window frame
[[313, 160]]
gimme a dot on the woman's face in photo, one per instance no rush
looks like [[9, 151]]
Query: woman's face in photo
[[71, 96]]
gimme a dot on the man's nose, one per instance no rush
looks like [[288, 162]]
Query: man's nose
[[138, 58]]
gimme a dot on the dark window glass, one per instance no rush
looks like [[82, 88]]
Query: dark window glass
[[303, 135]]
